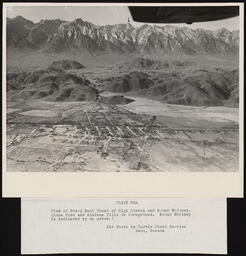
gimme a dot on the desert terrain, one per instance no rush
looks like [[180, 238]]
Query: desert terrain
[[141, 114], [117, 98]]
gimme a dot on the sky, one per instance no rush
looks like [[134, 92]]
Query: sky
[[102, 15]]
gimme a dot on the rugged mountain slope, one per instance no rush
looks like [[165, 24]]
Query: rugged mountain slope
[[18, 30], [49, 85], [79, 35], [199, 87], [42, 31], [186, 86], [134, 81]]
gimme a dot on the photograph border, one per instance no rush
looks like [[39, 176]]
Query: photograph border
[[129, 184]]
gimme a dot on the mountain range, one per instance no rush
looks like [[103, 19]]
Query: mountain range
[[79, 35]]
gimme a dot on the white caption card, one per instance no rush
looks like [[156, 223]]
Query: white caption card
[[113, 225]]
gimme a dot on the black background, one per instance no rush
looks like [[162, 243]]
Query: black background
[[10, 208]]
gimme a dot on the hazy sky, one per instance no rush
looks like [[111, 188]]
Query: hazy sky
[[101, 15]]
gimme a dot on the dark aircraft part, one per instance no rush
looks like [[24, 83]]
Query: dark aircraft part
[[182, 14]]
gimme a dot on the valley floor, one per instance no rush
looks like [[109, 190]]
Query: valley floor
[[145, 135], [58, 134]]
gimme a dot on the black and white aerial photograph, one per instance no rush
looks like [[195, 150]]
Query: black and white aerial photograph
[[122, 89]]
